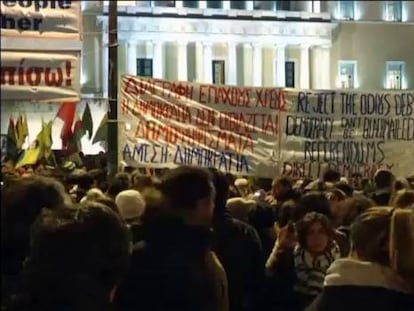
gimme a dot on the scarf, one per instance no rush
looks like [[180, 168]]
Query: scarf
[[311, 271]]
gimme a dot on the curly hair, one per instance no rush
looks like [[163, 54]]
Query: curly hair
[[303, 226]]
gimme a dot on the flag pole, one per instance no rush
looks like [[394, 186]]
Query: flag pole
[[112, 134]]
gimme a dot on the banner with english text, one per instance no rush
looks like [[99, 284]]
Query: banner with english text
[[353, 132], [170, 123], [40, 76], [41, 19]]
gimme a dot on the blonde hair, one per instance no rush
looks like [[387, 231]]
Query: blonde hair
[[403, 198], [385, 235]]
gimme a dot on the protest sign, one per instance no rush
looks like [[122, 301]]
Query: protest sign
[[165, 124], [40, 76], [265, 131], [41, 19], [353, 132]]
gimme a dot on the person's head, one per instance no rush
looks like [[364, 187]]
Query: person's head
[[108, 202], [240, 208], [354, 207], [404, 198], [331, 176], [78, 255], [190, 192], [313, 202], [131, 205], [315, 233], [221, 186], [401, 183], [93, 195], [383, 179], [336, 198], [243, 186], [140, 181], [22, 202], [281, 187], [385, 235], [346, 188], [119, 182]]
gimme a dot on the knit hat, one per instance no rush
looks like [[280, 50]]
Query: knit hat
[[130, 203]]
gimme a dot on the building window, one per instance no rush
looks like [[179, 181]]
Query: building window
[[238, 5], [169, 4], [290, 74], [190, 4], [144, 67], [265, 5], [212, 4], [393, 11], [346, 10], [281, 5], [218, 72], [395, 74], [347, 74]]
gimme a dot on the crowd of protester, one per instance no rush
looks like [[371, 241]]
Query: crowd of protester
[[195, 239]]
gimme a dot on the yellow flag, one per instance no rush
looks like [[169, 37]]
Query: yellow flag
[[21, 130], [45, 138], [30, 157]]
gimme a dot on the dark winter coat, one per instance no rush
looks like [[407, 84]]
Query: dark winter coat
[[352, 285], [238, 247], [174, 269]]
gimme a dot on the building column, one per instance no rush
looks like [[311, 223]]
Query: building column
[[249, 5], [247, 67], [199, 63], [105, 66], [304, 67], [280, 65], [208, 62], [326, 67], [320, 64], [232, 64], [182, 61], [132, 58], [97, 64], [257, 64], [157, 60], [148, 49]]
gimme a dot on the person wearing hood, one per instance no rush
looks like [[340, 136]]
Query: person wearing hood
[[379, 274], [238, 247], [174, 268]]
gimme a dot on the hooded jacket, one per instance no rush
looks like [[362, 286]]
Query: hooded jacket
[[352, 285], [174, 269]]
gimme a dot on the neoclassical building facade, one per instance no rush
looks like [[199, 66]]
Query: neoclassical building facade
[[300, 44]]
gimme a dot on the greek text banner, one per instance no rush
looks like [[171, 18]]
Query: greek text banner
[[234, 129], [40, 76]]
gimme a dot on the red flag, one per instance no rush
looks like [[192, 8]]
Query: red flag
[[67, 114]]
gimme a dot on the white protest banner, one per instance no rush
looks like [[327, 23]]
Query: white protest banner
[[40, 76], [170, 123], [41, 19], [354, 132]]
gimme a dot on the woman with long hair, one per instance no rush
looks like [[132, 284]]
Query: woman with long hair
[[379, 274]]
